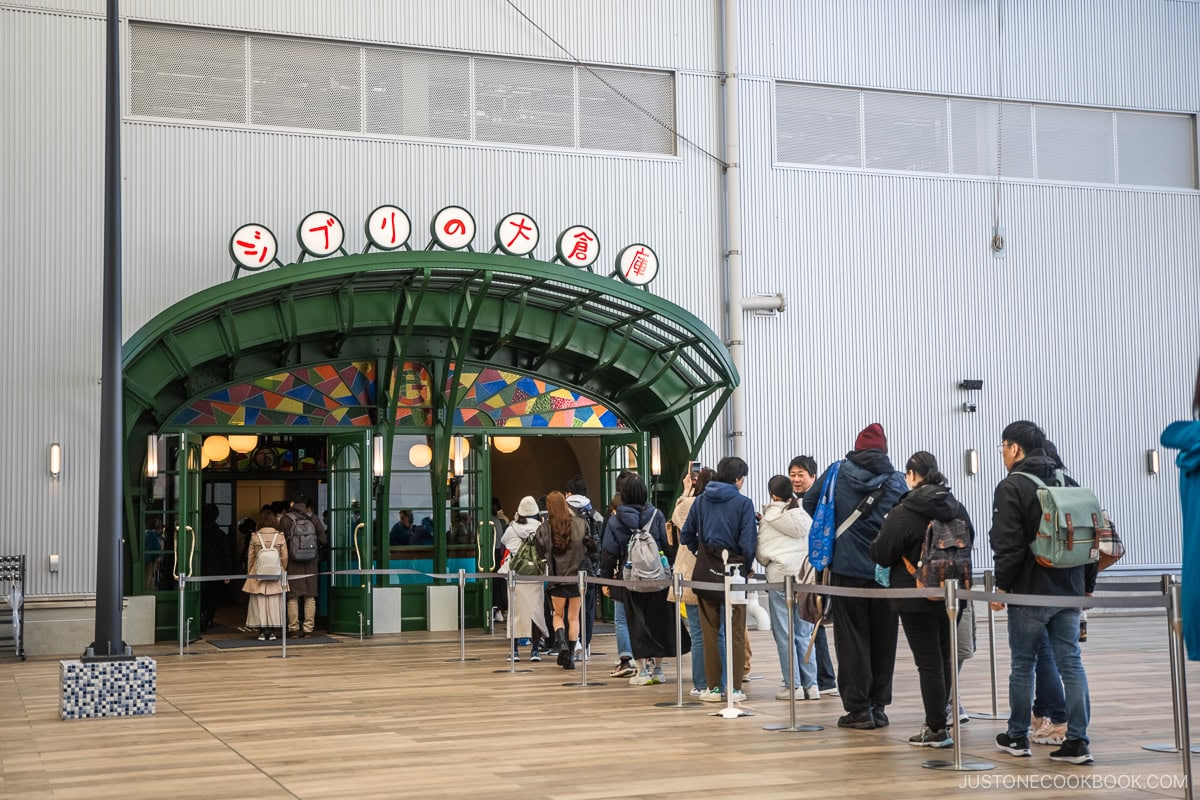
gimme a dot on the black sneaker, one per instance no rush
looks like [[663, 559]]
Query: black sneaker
[[931, 738], [881, 719], [861, 720], [1013, 745], [1073, 751]]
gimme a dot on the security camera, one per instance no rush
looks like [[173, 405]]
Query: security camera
[[970, 407]]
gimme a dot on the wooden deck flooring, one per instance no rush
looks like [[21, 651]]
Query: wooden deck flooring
[[391, 718]]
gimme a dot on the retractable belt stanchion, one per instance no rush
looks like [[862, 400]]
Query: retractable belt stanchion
[[283, 616], [510, 580], [677, 588], [957, 765], [583, 677], [789, 589], [729, 711], [1175, 613], [989, 585], [462, 618], [1178, 714], [182, 635]]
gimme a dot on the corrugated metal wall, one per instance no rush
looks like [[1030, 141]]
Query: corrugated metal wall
[[893, 297]]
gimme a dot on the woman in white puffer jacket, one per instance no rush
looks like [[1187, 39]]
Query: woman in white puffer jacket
[[783, 550]]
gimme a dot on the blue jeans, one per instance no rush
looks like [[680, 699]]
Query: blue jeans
[[804, 675], [1027, 626], [624, 646], [693, 620], [1048, 698]]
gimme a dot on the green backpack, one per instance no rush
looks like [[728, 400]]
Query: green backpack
[[527, 560], [1072, 523]]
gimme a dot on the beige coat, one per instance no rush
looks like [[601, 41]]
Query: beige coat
[[258, 540], [685, 562], [304, 582]]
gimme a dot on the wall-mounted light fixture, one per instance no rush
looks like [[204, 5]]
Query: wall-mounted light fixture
[[972, 461], [55, 460], [506, 444], [655, 456], [458, 453], [377, 456], [152, 456], [1152, 462], [216, 448], [420, 455], [243, 442]]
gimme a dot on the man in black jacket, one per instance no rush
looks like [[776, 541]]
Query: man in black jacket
[[1016, 516]]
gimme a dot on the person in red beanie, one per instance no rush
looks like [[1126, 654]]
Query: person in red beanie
[[867, 627]]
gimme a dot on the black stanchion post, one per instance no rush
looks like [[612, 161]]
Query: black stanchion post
[[729, 711], [1177, 713], [510, 580], [957, 765], [789, 589], [462, 619], [582, 634], [989, 585], [677, 588]]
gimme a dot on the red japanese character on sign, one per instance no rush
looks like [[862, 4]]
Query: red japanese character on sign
[[320, 234], [389, 223], [580, 251], [453, 228], [522, 230], [323, 229], [637, 266], [388, 228], [517, 234], [253, 248], [578, 246]]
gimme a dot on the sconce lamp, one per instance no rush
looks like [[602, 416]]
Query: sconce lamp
[[377, 456], [655, 456], [420, 455], [1152, 462], [243, 442], [55, 460], [972, 461], [506, 444], [458, 453], [152, 456]]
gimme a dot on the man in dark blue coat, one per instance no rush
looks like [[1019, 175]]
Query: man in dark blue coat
[[866, 628]]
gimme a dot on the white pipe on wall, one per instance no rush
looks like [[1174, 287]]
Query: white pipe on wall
[[733, 230]]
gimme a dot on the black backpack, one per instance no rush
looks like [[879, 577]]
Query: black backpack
[[595, 528], [945, 555]]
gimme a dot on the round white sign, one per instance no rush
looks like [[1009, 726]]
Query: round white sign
[[388, 228], [453, 228], [637, 264], [253, 246], [320, 234], [578, 246], [517, 234]]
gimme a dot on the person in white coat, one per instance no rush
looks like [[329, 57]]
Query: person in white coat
[[527, 614], [783, 550]]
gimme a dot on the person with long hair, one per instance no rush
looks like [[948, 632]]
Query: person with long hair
[[564, 542], [783, 551], [265, 612], [527, 613], [1184, 436], [926, 626], [685, 562]]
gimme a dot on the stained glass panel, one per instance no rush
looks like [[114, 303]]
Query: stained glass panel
[[330, 395]]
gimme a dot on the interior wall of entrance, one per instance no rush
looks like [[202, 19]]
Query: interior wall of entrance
[[543, 464]]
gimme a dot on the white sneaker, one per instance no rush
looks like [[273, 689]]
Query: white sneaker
[[812, 692], [785, 694], [739, 696], [1050, 733], [833, 692], [712, 695], [643, 679], [697, 692]]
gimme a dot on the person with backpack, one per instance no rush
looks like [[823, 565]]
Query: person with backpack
[[581, 506], [565, 542], [803, 472], [527, 612], [268, 555], [908, 544], [684, 564], [722, 519], [866, 486], [634, 538], [1017, 516], [783, 551], [624, 667], [306, 535]]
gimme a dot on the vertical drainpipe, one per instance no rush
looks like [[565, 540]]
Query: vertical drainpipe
[[732, 223]]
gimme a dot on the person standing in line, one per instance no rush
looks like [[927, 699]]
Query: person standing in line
[[803, 472], [581, 506], [303, 585], [499, 590], [1016, 517], [624, 668], [783, 551], [867, 627], [1184, 436], [264, 612], [564, 542], [722, 518], [926, 627], [685, 562], [527, 613]]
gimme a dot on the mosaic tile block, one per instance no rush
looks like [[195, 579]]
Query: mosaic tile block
[[107, 688]]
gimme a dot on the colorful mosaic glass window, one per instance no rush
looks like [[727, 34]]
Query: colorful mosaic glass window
[[490, 397], [324, 396]]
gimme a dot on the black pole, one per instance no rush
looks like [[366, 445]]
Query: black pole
[[108, 642]]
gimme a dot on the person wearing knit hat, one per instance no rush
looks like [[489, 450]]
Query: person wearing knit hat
[[871, 438], [867, 627], [527, 616]]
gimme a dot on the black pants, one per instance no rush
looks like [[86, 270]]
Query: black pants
[[866, 630], [825, 675], [589, 600], [928, 634]]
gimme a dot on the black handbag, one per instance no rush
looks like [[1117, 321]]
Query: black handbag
[[710, 569]]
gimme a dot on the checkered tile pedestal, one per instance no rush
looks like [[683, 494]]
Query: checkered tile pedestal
[[108, 688]]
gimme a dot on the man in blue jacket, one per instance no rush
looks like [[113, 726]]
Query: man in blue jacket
[[722, 518], [866, 628]]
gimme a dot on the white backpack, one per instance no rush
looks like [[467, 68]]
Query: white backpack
[[268, 562]]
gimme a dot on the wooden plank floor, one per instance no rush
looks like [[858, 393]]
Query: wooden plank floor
[[389, 718]]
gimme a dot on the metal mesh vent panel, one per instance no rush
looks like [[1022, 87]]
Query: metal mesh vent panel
[[184, 73], [415, 93], [1156, 149], [818, 125], [525, 102], [608, 122], [304, 84], [977, 125], [1074, 144], [905, 132]]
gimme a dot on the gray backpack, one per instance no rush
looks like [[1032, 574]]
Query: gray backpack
[[645, 560]]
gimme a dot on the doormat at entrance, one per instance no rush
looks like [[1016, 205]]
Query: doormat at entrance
[[230, 644]]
